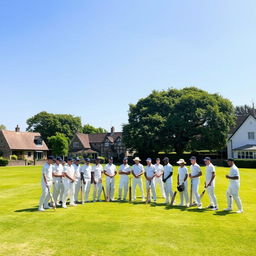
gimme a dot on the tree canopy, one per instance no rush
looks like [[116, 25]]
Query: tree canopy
[[87, 129], [2, 127], [58, 144], [187, 119], [50, 124]]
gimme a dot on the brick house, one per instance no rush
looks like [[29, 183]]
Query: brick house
[[25, 145], [103, 144]]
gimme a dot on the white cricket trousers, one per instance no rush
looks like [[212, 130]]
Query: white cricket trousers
[[45, 197], [57, 187], [86, 189], [153, 188], [69, 190], [168, 190], [123, 186], [137, 181], [184, 194], [233, 192], [195, 187], [211, 194], [161, 184], [110, 187], [77, 188], [97, 191]]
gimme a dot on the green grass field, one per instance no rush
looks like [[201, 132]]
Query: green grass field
[[122, 228]]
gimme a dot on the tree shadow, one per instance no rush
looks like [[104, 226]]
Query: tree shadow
[[181, 208], [197, 210]]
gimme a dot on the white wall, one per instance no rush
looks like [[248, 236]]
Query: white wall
[[240, 138]]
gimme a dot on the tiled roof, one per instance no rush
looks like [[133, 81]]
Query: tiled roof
[[84, 138], [23, 140]]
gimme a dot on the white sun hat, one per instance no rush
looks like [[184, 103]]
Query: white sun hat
[[181, 161], [136, 159]]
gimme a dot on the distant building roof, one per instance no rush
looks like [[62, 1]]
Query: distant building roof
[[84, 138], [248, 147], [23, 140], [239, 121], [100, 137]]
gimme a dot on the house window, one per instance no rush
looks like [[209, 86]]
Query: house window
[[251, 135], [246, 155], [29, 154], [76, 144], [38, 141]]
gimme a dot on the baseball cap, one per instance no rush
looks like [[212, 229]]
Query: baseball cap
[[207, 159], [50, 158], [192, 158], [149, 159], [58, 158]]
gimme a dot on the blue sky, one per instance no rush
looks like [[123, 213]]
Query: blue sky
[[93, 58]]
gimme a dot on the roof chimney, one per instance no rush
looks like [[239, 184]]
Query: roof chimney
[[112, 129], [17, 128]]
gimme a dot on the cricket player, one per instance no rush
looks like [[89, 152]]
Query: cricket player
[[57, 179], [46, 182], [183, 180], [137, 171], [195, 173], [110, 172], [124, 172], [234, 185], [210, 183], [167, 180], [86, 173], [150, 174], [69, 184], [77, 183], [97, 171], [159, 172]]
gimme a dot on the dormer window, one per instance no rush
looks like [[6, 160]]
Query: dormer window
[[38, 141]]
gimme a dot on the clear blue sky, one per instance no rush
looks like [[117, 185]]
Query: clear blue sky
[[93, 58]]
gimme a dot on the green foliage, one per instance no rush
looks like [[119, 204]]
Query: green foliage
[[49, 124], [14, 157], [3, 161], [2, 127], [58, 144], [188, 119], [88, 129]]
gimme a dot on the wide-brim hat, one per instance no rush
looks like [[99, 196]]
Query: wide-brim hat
[[181, 161], [136, 159]]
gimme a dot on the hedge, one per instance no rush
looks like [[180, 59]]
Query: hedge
[[3, 161]]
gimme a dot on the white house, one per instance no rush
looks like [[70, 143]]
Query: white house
[[242, 139]]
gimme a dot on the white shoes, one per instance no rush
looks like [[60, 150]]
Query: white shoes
[[239, 211], [199, 207], [40, 209], [228, 209], [64, 206], [73, 204]]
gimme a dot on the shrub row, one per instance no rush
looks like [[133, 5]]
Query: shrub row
[[3, 161]]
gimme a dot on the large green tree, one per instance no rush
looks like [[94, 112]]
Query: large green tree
[[49, 124], [88, 129], [179, 120], [58, 144]]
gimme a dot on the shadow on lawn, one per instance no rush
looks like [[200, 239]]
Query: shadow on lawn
[[35, 209], [223, 213]]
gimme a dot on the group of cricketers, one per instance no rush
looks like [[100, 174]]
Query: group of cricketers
[[71, 179]]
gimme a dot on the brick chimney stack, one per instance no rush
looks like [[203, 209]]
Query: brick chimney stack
[[17, 128]]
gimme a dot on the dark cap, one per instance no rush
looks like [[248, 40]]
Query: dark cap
[[125, 159], [87, 160], [207, 159], [77, 159], [50, 158], [110, 158], [158, 159], [58, 158], [192, 158], [166, 159], [230, 160], [70, 159]]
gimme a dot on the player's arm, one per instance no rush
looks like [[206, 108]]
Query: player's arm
[[232, 178], [212, 178]]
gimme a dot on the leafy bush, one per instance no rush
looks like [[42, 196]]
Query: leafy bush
[[3, 161], [14, 157]]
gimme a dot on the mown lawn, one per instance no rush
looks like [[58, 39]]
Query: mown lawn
[[122, 228]]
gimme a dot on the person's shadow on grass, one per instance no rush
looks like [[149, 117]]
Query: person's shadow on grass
[[223, 213]]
